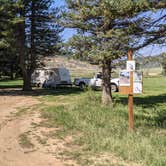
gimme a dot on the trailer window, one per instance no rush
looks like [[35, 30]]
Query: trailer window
[[51, 73]]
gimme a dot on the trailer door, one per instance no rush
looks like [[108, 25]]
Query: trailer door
[[64, 75]]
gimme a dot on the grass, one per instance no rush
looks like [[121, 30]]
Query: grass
[[11, 83], [105, 130], [152, 71], [99, 130]]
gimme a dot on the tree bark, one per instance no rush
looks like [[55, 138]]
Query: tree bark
[[27, 81], [11, 72], [106, 87], [22, 53]]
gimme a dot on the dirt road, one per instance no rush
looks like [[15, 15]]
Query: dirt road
[[11, 127], [25, 142]]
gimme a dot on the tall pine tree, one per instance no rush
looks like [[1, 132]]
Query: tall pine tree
[[114, 27], [38, 35]]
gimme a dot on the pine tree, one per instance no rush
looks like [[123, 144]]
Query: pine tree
[[37, 34], [78, 47], [8, 56], [114, 27], [4, 23]]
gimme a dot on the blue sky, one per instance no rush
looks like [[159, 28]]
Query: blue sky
[[149, 50], [67, 33]]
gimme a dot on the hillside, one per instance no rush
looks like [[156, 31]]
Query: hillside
[[77, 68], [149, 65]]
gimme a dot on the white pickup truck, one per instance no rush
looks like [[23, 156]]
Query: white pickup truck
[[96, 82]]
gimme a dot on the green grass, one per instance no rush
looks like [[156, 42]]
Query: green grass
[[11, 83], [105, 130]]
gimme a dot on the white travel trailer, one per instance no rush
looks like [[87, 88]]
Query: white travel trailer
[[51, 77], [38, 77]]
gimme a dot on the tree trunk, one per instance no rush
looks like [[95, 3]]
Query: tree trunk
[[11, 72], [106, 87], [27, 80], [22, 54]]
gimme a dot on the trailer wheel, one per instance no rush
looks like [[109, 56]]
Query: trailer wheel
[[82, 85], [39, 85]]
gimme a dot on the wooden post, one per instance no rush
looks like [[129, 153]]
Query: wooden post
[[130, 96]]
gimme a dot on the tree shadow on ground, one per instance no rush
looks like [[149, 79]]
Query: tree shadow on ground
[[150, 104], [146, 102], [17, 91], [5, 87]]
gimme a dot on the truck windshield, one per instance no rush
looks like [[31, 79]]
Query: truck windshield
[[99, 76]]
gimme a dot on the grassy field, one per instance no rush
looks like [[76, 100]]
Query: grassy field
[[100, 134], [152, 71], [99, 130]]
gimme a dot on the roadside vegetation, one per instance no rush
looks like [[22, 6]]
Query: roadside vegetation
[[97, 129]]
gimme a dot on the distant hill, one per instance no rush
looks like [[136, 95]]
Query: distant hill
[[149, 62], [150, 65], [77, 68]]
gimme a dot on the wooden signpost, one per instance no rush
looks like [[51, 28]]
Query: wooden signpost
[[130, 96], [130, 83]]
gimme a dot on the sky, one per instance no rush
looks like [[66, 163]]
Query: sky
[[150, 50]]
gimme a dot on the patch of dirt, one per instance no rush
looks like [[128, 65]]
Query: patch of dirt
[[10, 104], [11, 127]]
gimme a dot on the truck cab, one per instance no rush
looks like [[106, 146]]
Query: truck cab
[[96, 82]]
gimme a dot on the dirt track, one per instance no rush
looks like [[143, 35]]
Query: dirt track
[[11, 127]]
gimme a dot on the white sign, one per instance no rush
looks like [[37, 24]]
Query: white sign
[[137, 82], [124, 78], [137, 87], [138, 76], [130, 65]]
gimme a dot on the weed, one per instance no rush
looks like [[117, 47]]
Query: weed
[[25, 141]]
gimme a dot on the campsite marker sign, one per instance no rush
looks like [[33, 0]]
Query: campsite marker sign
[[130, 83]]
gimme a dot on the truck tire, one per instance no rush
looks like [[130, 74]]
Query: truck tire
[[82, 85], [114, 88]]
